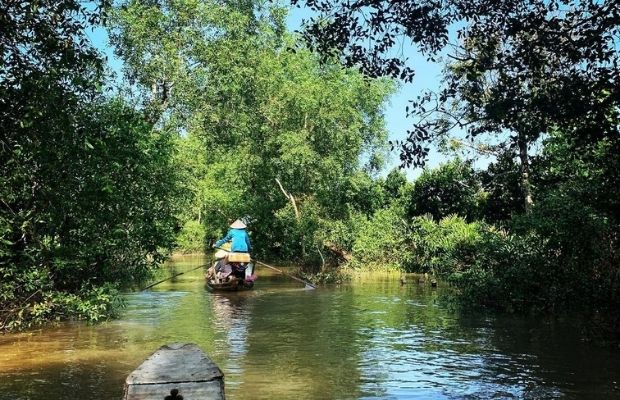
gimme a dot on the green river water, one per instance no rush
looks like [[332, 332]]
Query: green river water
[[370, 339]]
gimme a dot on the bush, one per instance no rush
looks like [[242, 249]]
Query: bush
[[105, 217], [382, 239], [446, 246], [579, 258], [90, 303], [192, 237], [452, 188], [486, 266], [556, 258]]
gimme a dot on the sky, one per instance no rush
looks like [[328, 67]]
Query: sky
[[427, 76]]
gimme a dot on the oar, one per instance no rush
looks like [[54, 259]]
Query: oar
[[170, 277], [308, 284]]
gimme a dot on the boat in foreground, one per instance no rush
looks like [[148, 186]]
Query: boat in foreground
[[179, 369]]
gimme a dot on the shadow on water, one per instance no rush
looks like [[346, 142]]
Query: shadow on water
[[373, 339]]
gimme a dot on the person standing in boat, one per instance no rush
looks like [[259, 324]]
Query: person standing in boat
[[239, 238], [239, 256]]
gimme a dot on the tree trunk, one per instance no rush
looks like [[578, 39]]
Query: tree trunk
[[526, 186], [297, 216]]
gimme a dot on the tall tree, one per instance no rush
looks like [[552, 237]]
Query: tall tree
[[522, 67], [282, 133], [86, 193], [47, 70]]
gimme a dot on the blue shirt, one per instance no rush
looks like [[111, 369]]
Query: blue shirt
[[240, 241]]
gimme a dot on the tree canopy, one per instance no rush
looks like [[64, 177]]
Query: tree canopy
[[521, 66], [85, 188], [280, 134]]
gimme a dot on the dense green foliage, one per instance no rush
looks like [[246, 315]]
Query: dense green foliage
[[85, 184], [226, 114], [452, 188], [268, 132], [541, 228], [563, 255]]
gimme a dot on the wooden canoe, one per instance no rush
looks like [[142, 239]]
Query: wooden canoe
[[232, 285], [181, 370]]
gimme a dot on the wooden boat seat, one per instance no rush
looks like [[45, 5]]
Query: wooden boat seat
[[239, 257]]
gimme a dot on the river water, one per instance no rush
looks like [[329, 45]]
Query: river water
[[371, 339]]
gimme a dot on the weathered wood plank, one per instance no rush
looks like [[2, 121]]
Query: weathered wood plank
[[189, 391], [181, 366]]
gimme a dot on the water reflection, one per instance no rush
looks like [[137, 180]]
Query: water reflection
[[232, 314], [373, 339]]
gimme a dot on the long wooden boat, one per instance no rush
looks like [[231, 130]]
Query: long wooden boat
[[232, 285]]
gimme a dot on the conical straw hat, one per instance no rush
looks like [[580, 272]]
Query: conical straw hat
[[238, 224]]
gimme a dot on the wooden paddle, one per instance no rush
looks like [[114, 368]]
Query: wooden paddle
[[308, 284], [170, 277]]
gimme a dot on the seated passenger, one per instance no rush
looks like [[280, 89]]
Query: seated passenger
[[221, 269]]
